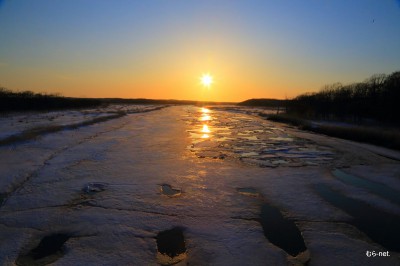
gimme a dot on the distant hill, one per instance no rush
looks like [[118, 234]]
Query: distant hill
[[30, 101], [154, 101], [263, 102]]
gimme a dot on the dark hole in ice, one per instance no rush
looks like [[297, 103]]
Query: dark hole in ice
[[281, 231], [91, 188], [49, 245], [2, 198], [382, 227], [376, 188], [49, 250], [171, 242], [169, 191]]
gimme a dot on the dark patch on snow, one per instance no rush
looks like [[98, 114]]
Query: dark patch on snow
[[374, 187], [49, 250], [49, 245], [280, 231], [169, 191], [380, 226], [171, 242], [3, 197]]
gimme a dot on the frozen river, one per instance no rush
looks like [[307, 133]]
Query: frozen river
[[192, 186]]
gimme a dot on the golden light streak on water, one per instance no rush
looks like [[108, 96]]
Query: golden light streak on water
[[205, 129]]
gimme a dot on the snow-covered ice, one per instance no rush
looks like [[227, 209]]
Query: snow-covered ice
[[108, 189]]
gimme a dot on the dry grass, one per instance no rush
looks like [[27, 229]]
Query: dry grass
[[290, 119], [374, 135]]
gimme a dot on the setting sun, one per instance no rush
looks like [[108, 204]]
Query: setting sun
[[206, 80]]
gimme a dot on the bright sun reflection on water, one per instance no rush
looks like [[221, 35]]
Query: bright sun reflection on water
[[205, 136], [205, 129], [205, 110], [205, 118]]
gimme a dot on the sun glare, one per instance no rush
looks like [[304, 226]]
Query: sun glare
[[205, 129], [206, 80], [205, 110]]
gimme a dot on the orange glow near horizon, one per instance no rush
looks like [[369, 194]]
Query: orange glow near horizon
[[189, 51], [232, 87], [172, 76]]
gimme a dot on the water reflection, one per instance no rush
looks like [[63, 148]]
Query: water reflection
[[205, 118], [205, 110], [205, 136], [205, 129], [205, 114], [221, 133]]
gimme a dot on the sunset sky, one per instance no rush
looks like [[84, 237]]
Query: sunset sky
[[159, 49]]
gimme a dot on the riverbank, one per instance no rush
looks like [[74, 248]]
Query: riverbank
[[383, 136]]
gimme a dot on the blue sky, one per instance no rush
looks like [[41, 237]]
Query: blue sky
[[158, 49]]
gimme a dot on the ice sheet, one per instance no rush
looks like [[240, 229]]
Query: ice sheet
[[46, 186]]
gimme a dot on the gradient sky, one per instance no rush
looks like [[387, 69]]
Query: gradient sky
[[159, 48]]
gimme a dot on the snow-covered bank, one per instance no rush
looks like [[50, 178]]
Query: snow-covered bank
[[15, 123]]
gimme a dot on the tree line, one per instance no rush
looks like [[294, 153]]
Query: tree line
[[30, 101], [377, 98]]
